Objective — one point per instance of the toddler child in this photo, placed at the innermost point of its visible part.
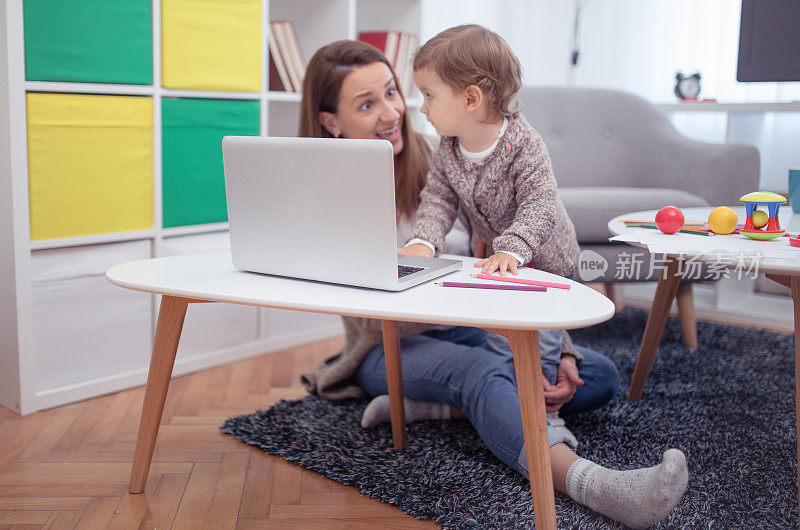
(490, 160)
(492, 164)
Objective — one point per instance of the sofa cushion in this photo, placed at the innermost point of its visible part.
(591, 208)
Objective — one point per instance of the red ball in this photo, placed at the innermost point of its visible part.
(669, 219)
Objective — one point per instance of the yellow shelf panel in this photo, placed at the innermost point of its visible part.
(90, 164)
(211, 45)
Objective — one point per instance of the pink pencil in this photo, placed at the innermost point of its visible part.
(491, 286)
(521, 280)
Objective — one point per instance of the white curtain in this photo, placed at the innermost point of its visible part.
(639, 45)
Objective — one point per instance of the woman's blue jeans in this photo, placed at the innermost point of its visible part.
(455, 367)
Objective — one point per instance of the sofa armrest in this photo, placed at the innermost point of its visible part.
(719, 173)
(591, 208)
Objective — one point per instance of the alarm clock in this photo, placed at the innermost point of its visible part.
(687, 86)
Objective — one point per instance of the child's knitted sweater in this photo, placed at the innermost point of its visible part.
(511, 200)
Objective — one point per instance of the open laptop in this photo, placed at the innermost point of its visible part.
(319, 209)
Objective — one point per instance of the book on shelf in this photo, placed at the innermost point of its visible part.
(399, 48)
(287, 66)
(278, 75)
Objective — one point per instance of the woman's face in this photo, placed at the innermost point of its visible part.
(369, 107)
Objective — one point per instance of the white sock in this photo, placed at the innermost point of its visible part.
(378, 411)
(637, 498)
(557, 423)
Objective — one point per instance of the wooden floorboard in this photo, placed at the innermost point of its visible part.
(69, 467)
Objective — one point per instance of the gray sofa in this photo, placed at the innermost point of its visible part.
(614, 152)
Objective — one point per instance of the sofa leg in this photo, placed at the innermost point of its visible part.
(686, 314)
(611, 294)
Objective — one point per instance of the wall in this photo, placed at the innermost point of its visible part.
(537, 30)
(639, 46)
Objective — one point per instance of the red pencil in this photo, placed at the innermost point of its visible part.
(521, 280)
(493, 286)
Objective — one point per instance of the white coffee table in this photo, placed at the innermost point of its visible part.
(516, 314)
(784, 271)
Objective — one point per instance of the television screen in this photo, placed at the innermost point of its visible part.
(769, 41)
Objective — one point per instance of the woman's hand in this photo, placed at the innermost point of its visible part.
(417, 249)
(567, 383)
(501, 260)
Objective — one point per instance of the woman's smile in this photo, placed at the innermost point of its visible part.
(391, 133)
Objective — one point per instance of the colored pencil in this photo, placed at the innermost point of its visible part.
(685, 230)
(697, 232)
(492, 286)
(521, 280)
(652, 222)
(706, 229)
(629, 222)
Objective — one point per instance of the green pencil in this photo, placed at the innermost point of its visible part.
(697, 232)
(654, 227)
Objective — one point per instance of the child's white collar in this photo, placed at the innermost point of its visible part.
(480, 156)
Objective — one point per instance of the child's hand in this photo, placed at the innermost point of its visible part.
(417, 249)
(502, 261)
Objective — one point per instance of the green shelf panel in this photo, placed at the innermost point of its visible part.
(193, 184)
(89, 41)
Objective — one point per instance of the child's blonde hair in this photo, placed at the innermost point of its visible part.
(473, 55)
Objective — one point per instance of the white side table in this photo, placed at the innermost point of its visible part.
(517, 314)
(784, 271)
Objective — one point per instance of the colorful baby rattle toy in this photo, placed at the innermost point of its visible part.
(773, 202)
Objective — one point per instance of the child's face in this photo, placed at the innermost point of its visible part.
(443, 108)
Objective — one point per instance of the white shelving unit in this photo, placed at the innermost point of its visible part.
(65, 333)
(747, 123)
(732, 108)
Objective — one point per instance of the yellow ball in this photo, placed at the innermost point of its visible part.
(722, 220)
(760, 218)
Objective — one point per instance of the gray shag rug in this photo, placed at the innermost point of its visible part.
(729, 406)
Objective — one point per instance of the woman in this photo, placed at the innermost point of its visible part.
(351, 91)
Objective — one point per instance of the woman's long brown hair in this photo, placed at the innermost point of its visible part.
(321, 90)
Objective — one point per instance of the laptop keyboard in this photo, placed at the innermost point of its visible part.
(404, 270)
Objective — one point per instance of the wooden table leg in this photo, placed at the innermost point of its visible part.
(394, 379)
(165, 346)
(686, 314)
(528, 367)
(668, 284)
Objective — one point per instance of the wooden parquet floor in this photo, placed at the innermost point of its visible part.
(69, 467)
